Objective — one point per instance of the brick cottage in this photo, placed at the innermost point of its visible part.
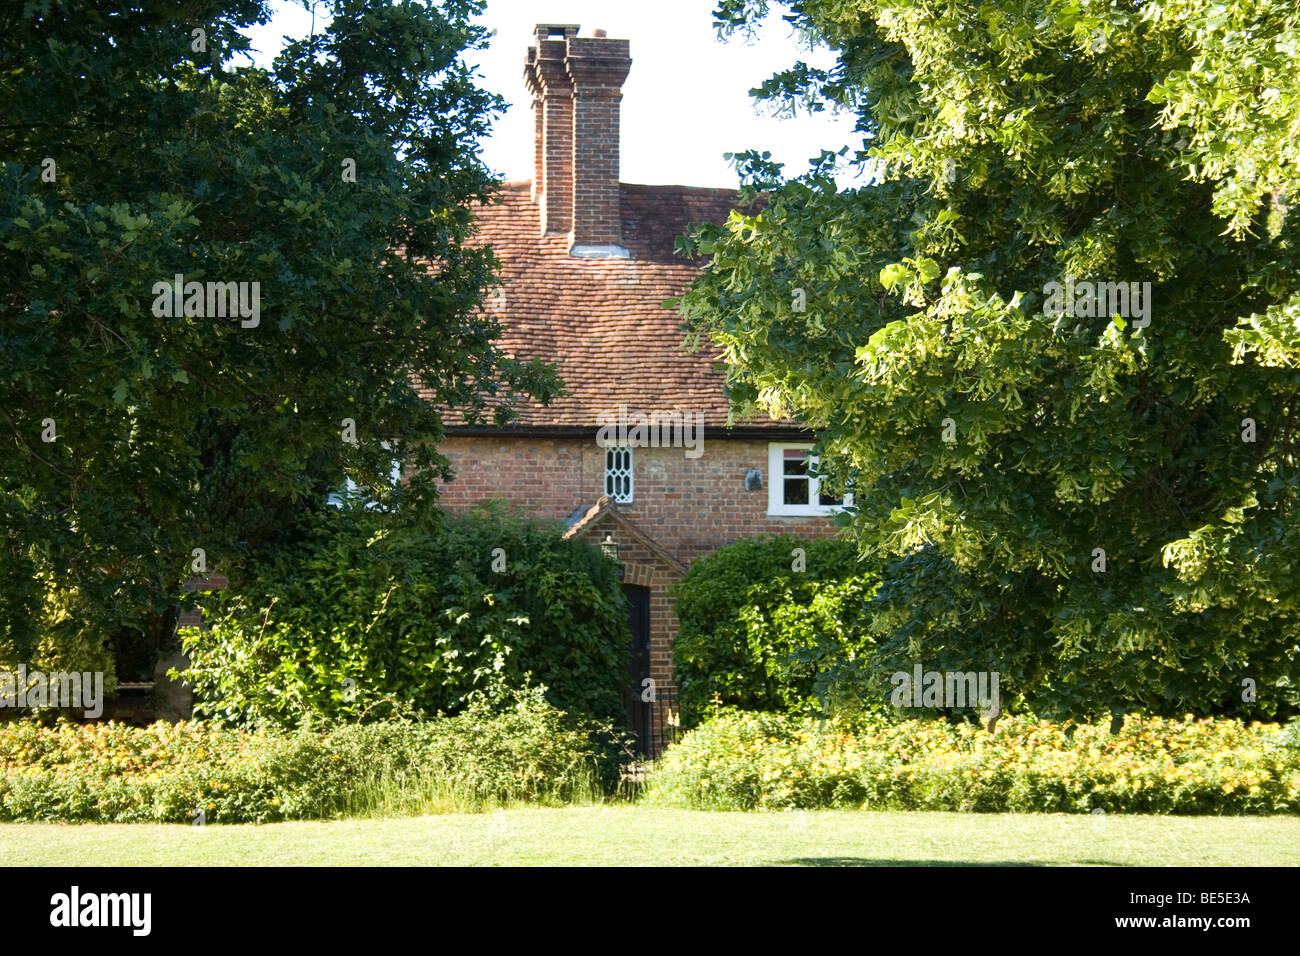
(638, 458)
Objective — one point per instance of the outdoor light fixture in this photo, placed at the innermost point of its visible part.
(609, 546)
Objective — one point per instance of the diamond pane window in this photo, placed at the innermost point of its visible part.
(618, 473)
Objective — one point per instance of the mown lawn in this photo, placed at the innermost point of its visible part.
(640, 836)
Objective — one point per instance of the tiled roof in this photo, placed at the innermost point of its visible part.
(602, 321)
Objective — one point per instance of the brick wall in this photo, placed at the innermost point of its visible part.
(687, 506)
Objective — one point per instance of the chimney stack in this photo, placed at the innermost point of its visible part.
(576, 84)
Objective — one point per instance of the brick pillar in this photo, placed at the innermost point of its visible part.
(597, 67)
(553, 127)
(539, 168)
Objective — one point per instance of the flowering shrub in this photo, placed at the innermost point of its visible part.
(741, 761)
(114, 773)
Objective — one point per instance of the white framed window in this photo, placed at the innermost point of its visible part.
(793, 487)
(618, 472)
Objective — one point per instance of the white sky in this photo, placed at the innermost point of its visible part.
(685, 102)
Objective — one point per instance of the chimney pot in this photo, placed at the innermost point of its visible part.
(556, 31)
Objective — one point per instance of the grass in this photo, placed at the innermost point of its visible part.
(629, 835)
(418, 794)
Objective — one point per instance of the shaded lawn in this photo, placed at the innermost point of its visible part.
(640, 836)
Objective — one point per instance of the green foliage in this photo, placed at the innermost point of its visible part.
(65, 642)
(184, 432)
(992, 445)
(1290, 736)
(524, 751)
(414, 616)
(759, 634)
(747, 761)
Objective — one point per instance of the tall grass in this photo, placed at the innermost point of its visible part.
(422, 792)
(521, 751)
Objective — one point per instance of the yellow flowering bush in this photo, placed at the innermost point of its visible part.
(741, 760)
(115, 773)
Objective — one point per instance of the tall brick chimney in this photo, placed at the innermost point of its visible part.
(576, 84)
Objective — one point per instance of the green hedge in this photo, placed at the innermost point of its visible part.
(526, 751)
(373, 617)
(758, 634)
(744, 761)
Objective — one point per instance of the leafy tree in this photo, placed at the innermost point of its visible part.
(337, 186)
(1099, 505)
(765, 621)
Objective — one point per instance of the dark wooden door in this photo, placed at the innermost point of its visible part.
(638, 665)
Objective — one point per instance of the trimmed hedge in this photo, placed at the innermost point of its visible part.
(164, 773)
(746, 761)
